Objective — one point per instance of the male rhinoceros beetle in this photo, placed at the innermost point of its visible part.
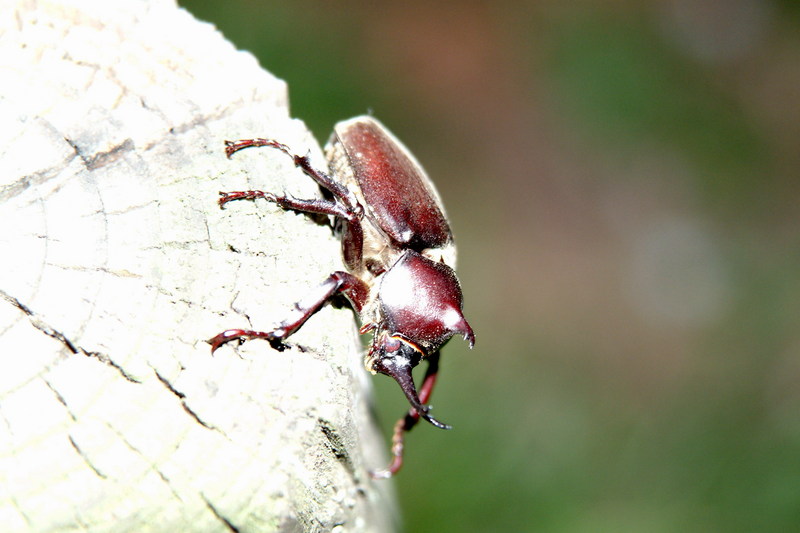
(399, 253)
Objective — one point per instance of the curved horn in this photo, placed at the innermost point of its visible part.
(398, 366)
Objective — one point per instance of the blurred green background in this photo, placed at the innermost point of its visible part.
(622, 178)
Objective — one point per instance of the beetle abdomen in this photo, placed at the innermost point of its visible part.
(394, 186)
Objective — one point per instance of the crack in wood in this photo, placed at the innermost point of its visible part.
(336, 445)
(35, 179)
(60, 399)
(145, 458)
(104, 358)
(101, 159)
(222, 518)
(182, 397)
(50, 331)
(85, 458)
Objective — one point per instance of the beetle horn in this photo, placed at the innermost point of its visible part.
(464, 329)
(398, 366)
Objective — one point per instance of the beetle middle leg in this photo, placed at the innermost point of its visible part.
(337, 283)
(407, 423)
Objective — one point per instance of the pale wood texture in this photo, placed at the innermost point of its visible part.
(116, 264)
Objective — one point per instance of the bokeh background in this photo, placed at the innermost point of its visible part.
(622, 179)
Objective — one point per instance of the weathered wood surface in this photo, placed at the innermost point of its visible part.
(116, 264)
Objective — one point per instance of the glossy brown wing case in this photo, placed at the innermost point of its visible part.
(394, 186)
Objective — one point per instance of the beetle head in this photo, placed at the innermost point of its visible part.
(396, 358)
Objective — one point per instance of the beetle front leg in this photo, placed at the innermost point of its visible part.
(353, 237)
(314, 205)
(342, 193)
(410, 420)
(337, 283)
(345, 206)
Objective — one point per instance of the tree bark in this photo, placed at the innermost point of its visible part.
(116, 263)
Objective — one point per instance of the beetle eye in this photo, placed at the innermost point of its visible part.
(392, 344)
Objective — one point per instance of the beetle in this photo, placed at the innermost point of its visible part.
(399, 253)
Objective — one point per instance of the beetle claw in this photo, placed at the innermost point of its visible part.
(433, 421)
(273, 337)
(224, 337)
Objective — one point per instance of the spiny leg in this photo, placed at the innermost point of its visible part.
(341, 192)
(345, 206)
(410, 420)
(314, 205)
(337, 283)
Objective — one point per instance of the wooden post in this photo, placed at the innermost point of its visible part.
(116, 264)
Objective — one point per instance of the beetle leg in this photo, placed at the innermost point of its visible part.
(339, 282)
(342, 193)
(346, 205)
(314, 205)
(410, 420)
